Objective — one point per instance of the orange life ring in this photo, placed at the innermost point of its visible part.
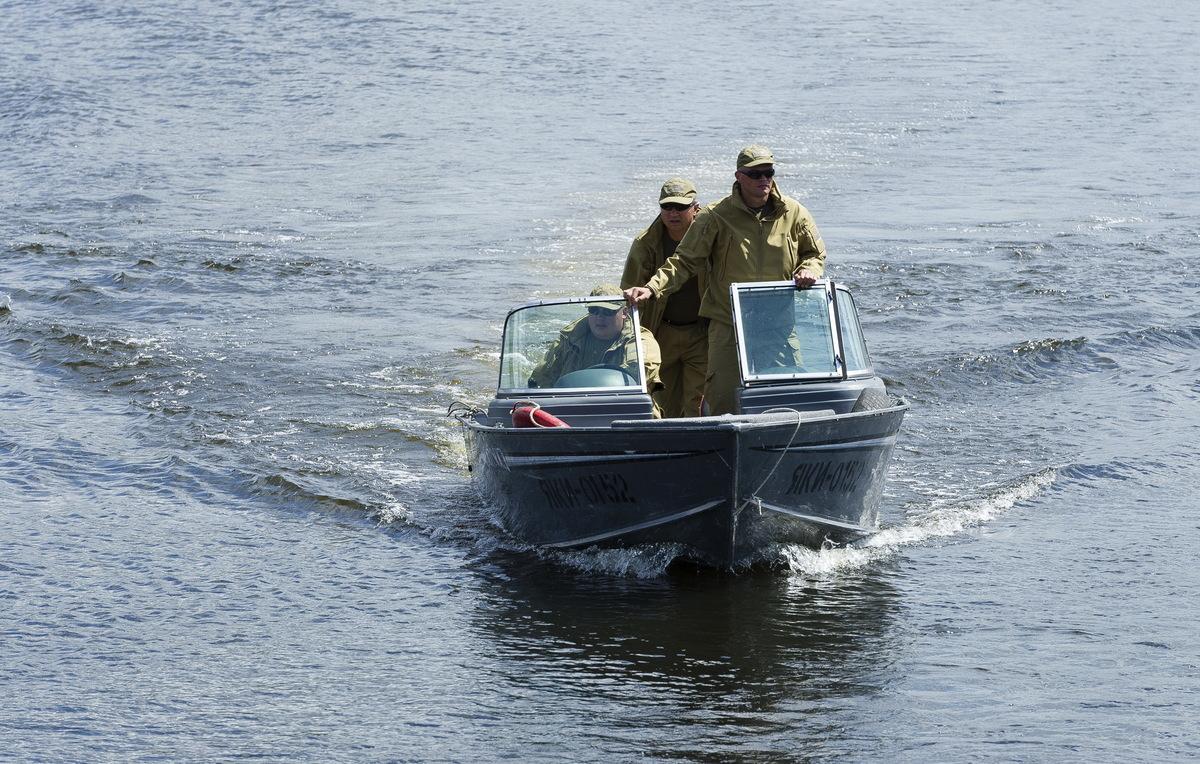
(535, 416)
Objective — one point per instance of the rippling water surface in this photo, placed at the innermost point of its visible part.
(249, 253)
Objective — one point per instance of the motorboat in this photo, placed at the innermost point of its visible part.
(802, 461)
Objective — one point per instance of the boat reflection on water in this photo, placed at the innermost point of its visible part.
(691, 653)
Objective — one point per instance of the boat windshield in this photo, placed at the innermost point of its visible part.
(580, 344)
(785, 333)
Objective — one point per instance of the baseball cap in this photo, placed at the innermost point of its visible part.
(606, 290)
(752, 156)
(677, 191)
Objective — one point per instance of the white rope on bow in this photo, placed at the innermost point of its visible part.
(754, 497)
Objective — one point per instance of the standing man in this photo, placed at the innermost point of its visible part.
(681, 331)
(754, 234)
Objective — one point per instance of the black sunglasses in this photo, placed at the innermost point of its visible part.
(675, 207)
(757, 174)
(596, 310)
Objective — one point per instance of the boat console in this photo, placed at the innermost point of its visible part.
(802, 349)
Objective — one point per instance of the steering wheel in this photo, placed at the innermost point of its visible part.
(581, 377)
(612, 366)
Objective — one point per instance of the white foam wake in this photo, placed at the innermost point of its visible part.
(944, 518)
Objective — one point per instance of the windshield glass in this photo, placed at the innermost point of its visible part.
(580, 344)
(853, 343)
(785, 333)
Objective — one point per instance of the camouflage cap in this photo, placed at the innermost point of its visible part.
(752, 156)
(677, 191)
(606, 290)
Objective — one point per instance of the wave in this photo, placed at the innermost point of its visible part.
(214, 253)
(941, 519)
(949, 518)
(1039, 360)
(644, 562)
(1025, 363)
(301, 437)
(1153, 338)
(279, 485)
(1033, 361)
(113, 361)
(1115, 470)
(132, 201)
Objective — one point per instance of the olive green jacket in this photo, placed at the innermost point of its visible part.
(566, 355)
(732, 244)
(646, 256)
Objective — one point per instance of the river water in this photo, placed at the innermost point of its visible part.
(249, 253)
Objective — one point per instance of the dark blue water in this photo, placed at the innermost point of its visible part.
(249, 253)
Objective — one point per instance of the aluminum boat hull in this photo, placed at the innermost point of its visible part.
(729, 490)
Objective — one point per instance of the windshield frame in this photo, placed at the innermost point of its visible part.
(540, 392)
(836, 326)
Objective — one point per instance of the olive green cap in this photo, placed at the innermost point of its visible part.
(606, 290)
(677, 191)
(752, 156)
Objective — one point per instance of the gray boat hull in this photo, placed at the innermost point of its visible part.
(729, 490)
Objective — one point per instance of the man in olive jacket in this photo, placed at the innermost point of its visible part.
(681, 331)
(754, 234)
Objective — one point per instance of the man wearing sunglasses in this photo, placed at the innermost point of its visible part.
(754, 234)
(603, 337)
(681, 331)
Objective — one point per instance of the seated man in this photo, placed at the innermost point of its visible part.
(603, 337)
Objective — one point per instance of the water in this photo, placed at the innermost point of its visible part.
(249, 253)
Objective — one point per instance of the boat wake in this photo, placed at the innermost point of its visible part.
(645, 561)
(952, 517)
(943, 519)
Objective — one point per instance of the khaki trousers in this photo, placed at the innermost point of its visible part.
(684, 362)
(720, 387)
(779, 349)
